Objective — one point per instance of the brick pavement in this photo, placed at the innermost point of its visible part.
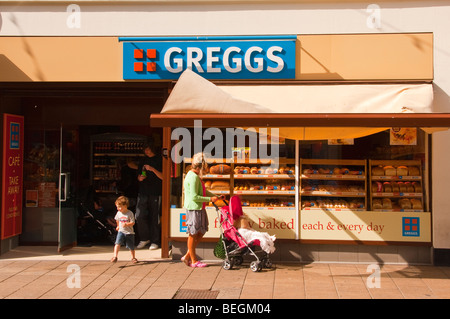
(50, 277)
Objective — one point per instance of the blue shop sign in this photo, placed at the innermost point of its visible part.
(264, 57)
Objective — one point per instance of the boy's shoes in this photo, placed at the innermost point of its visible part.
(142, 244)
(153, 246)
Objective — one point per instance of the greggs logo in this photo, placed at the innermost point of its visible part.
(228, 59)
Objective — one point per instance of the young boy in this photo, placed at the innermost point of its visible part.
(125, 221)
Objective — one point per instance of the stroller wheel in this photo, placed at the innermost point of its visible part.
(255, 266)
(227, 264)
(267, 263)
(238, 260)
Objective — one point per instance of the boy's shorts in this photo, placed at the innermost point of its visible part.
(127, 239)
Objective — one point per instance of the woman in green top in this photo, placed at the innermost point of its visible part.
(195, 198)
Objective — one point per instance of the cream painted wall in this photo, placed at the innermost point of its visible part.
(205, 18)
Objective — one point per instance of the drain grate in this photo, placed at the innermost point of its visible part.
(195, 294)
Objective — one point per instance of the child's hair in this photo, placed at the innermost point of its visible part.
(123, 201)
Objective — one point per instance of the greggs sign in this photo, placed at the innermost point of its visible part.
(264, 57)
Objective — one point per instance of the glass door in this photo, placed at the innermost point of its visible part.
(67, 227)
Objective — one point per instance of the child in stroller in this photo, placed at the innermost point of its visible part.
(239, 238)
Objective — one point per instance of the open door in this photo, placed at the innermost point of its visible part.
(67, 228)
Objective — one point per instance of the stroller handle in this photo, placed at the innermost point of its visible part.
(217, 207)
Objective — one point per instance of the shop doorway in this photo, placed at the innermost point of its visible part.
(67, 191)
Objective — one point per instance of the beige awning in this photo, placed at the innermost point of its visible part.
(193, 94)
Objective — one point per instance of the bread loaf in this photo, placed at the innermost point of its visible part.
(413, 171)
(404, 203)
(220, 185)
(387, 187)
(220, 169)
(390, 171)
(377, 171)
(395, 187)
(409, 187)
(376, 204)
(416, 203)
(387, 203)
(417, 187)
(402, 171)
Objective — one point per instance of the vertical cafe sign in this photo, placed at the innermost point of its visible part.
(12, 175)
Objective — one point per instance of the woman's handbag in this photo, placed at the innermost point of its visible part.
(219, 250)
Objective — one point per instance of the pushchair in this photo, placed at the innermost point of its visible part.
(235, 246)
(95, 228)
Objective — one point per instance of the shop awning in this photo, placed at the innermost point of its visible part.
(307, 111)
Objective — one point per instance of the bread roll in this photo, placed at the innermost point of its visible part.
(208, 184)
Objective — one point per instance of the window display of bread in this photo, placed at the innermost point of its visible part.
(333, 203)
(220, 169)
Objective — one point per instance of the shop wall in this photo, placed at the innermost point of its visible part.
(100, 24)
(319, 57)
(441, 176)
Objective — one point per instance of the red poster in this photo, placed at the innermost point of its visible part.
(12, 180)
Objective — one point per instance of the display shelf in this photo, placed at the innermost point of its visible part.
(396, 185)
(109, 153)
(333, 185)
(256, 188)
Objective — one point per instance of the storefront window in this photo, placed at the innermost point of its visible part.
(317, 183)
